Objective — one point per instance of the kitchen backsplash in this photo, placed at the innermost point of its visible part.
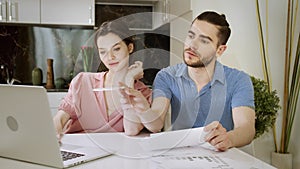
(22, 48)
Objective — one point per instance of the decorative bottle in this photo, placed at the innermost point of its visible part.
(37, 76)
(50, 75)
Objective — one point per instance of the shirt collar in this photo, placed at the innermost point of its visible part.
(182, 71)
(219, 74)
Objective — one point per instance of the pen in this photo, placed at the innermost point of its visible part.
(108, 89)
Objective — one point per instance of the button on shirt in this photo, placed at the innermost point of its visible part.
(228, 89)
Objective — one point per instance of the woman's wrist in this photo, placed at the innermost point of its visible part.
(129, 81)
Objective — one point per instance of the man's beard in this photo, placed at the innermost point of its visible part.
(200, 63)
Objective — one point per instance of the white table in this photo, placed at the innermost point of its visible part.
(130, 154)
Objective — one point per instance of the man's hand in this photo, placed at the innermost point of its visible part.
(133, 104)
(133, 99)
(217, 136)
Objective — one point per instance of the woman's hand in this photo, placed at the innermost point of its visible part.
(135, 71)
(62, 123)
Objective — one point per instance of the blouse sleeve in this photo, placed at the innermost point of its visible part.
(67, 104)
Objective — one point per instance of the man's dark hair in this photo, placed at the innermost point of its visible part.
(218, 20)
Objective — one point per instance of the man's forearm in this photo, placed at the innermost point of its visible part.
(152, 120)
(241, 136)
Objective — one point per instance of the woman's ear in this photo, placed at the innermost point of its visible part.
(130, 48)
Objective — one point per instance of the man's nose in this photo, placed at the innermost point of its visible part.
(193, 44)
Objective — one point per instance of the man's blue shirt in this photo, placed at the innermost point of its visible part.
(228, 89)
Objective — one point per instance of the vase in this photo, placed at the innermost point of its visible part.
(50, 75)
(282, 160)
(37, 76)
(60, 83)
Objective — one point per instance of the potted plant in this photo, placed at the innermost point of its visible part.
(291, 85)
(266, 106)
(87, 57)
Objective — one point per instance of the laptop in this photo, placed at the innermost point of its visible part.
(28, 133)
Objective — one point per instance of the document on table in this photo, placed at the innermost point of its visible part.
(179, 138)
(187, 149)
(189, 157)
(172, 150)
(196, 157)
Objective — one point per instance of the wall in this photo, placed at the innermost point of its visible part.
(243, 53)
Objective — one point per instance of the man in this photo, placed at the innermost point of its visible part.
(201, 91)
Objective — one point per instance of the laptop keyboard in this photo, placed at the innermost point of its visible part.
(66, 155)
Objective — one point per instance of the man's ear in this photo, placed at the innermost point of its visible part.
(221, 50)
(130, 47)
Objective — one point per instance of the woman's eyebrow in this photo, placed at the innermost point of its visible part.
(112, 45)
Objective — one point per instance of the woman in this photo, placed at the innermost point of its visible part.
(85, 110)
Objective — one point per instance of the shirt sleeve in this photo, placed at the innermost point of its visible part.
(243, 94)
(161, 85)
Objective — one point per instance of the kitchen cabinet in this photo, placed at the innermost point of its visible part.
(181, 17)
(166, 11)
(178, 8)
(20, 11)
(160, 13)
(54, 100)
(68, 12)
(140, 14)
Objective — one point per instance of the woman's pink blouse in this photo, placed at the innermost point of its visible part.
(87, 108)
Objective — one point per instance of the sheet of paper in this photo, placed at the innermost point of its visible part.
(178, 138)
(120, 144)
(196, 157)
(143, 145)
